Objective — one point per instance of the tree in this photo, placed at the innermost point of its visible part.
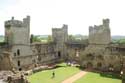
(34, 39)
(71, 37)
(49, 38)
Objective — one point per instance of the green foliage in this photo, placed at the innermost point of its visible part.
(1, 38)
(120, 41)
(49, 39)
(71, 37)
(41, 38)
(35, 38)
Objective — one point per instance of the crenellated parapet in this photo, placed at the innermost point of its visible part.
(17, 23)
(99, 28)
(15, 28)
(13, 23)
(106, 22)
(100, 34)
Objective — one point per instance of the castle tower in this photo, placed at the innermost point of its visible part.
(100, 34)
(65, 30)
(60, 36)
(17, 35)
(17, 32)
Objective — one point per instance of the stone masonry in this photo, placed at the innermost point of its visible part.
(98, 53)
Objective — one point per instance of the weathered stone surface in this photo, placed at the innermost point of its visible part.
(100, 34)
(99, 53)
(6, 61)
(24, 54)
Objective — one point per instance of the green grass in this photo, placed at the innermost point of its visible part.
(97, 78)
(61, 73)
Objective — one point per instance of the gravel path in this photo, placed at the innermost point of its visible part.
(75, 77)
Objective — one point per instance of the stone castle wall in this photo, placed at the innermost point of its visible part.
(94, 55)
(6, 61)
(23, 53)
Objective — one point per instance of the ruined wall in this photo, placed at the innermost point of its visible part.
(17, 34)
(6, 61)
(45, 53)
(100, 34)
(100, 57)
(74, 50)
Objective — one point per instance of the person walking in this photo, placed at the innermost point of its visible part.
(53, 74)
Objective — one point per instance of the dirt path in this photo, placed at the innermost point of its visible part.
(75, 77)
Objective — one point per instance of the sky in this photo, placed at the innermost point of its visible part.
(77, 14)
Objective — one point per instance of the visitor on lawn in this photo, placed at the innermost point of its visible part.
(53, 74)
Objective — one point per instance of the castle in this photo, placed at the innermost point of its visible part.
(98, 53)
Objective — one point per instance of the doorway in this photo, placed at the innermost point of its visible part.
(59, 54)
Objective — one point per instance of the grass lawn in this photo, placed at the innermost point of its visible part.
(97, 78)
(61, 73)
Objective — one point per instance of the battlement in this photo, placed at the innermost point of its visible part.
(56, 29)
(106, 21)
(60, 29)
(17, 31)
(99, 28)
(65, 26)
(13, 23)
(97, 32)
(16, 23)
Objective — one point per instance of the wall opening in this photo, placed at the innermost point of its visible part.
(77, 53)
(20, 69)
(18, 52)
(59, 54)
(111, 68)
(14, 54)
(90, 56)
(18, 63)
(99, 65)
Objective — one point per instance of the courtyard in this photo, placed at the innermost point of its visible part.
(64, 72)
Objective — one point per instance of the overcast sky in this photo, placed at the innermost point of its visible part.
(77, 14)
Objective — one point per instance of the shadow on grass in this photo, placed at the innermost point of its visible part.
(58, 66)
(81, 68)
(110, 75)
